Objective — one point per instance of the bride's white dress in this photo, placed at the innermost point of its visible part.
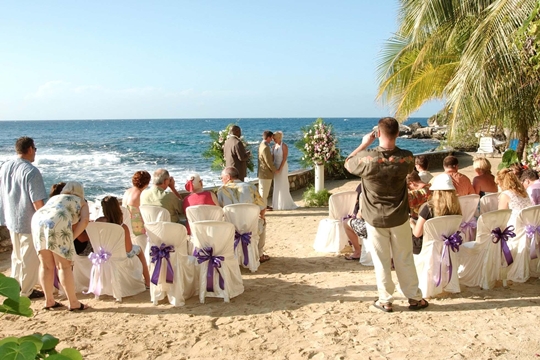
(282, 199)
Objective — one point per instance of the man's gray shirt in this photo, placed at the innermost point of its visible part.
(21, 184)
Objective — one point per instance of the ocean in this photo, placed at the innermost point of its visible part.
(104, 154)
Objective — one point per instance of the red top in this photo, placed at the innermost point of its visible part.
(202, 198)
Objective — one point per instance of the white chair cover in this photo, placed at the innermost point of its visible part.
(94, 207)
(204, 212)
(489, 202)
(153, 213)
(183, 286)
(331, 235)
(115, 274)
(365, 254)
(525, 246)
(245, 218)
(217, 237)
(469, 206)
(437, 263)
(82, 268)
(140, 240)
(477, 258)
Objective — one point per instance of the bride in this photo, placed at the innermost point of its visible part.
(282, 199)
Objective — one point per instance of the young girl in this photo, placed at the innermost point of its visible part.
(112, 213)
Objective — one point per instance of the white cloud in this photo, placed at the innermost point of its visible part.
(49, 89)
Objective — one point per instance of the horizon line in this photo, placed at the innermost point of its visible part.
(216, 118)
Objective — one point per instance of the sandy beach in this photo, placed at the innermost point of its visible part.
(300, 305)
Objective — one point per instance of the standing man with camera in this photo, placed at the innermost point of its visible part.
(385, 209)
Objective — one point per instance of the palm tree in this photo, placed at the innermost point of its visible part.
(466, 52)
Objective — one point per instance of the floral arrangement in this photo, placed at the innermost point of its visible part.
(318, 145)
(533, 157)
(215, 150)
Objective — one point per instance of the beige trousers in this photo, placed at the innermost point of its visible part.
(393, 243)
(24, 262)
(264, 189)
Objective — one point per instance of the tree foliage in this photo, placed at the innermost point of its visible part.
(467, 52)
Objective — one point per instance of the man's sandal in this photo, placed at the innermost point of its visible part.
(386, 307)
(415, 305)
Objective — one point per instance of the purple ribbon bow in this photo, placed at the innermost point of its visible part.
(158, 254)
(345, 218)
(97, 259)
(214, 263)
(100, 257)
(502, 237)
(471, 224)
(531, 231)
(245, 238)
(451, 242)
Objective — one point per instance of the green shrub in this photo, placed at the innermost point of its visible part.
(29, 347)
(316, 199)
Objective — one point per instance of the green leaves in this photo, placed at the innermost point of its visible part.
(35, 346)
(28, 347)
(14, 304)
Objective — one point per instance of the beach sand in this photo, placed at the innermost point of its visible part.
(300, 305)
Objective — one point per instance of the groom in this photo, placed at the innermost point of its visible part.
(266, 168)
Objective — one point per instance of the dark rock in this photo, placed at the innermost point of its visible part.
(415, 126)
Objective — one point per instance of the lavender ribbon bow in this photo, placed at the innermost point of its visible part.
(348, 217)
(451, 242)
(469, 227)
(101, 257)
(245, 238)
(97, 259)
(502, 236)
(214, 263)
(158, 254)
(531, 231)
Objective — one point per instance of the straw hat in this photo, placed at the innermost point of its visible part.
(442, 182)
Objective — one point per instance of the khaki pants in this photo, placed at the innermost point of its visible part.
(393, 243)
(264, 189)
(24, 262)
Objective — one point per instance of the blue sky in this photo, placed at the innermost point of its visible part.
(192, 59)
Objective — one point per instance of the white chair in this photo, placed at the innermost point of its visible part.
(480, 262)
(245, 218)
(175, 276)
(437, 263)
(331, 236)
(486, 146)
(140, 240)
(153, 213)
(82, 268)
(113, 273)
(219, 273)
(469, 206)
(489, 202)
(204, 212)
(526, 245)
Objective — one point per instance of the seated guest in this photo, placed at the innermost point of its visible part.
(461, 182)
(513, 195)
(112, 213)
(421, 164)
(157, 195)
(132, 200)
(235, 191)
(484, 182)
(418, 193)
(197, 196)
(444, 201)
(356, 228)
(530, 182)
(517, 169)
(82, 244)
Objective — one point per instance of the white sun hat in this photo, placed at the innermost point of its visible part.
(442, 182)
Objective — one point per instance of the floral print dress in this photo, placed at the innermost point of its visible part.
(51, 225)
